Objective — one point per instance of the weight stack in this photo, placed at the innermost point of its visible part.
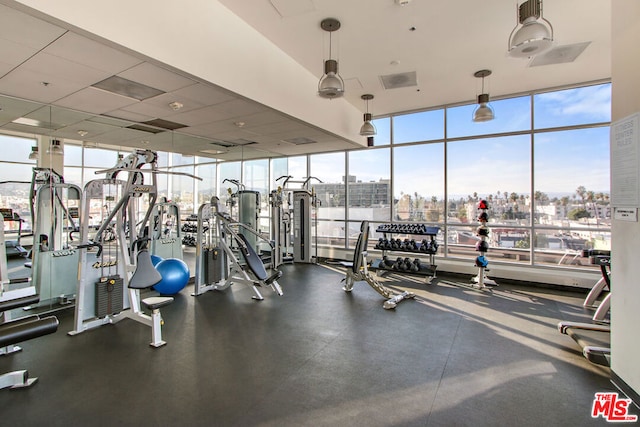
(109, 295)
(213, 265)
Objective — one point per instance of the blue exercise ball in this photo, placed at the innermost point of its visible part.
(155, 259)
(175, 276)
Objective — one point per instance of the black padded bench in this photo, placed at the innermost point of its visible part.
(20, 330)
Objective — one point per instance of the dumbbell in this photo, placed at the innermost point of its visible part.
(415, 265)
(483, 230)
(482, 246)
(386, 262)
(397, 265)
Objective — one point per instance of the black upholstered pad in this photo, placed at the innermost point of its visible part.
(20, 331)
(253, 260)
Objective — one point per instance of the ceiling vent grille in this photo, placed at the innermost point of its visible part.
(559, 55)
(394, 81)
(128, 88)
(164, 124)
(300, 141)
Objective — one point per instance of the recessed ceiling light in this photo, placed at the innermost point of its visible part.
(83, 133)
(175, 105)
(239, 124)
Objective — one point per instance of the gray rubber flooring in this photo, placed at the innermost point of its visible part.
(318, 356)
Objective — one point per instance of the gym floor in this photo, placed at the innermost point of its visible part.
(318, 356)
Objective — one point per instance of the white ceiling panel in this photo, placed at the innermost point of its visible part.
(24, 29)
(95, 101)
(61, 68)
(27, 84)
(82, 50)
(11, 108)
(14, 54)
(156, 77)
(205, 94)
(129, 116)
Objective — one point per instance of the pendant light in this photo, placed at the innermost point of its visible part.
(34, 153)
(55, 148)
(483, 113)
(535, 36)
(331, 84)
(367, 129)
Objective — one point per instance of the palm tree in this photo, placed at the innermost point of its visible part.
(582, 193)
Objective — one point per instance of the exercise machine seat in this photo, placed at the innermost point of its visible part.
(253, 260)
(146, 274)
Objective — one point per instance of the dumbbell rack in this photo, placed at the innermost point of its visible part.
(427, 247)
(189, 230)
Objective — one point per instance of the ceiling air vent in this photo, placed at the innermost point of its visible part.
(394, 81)
(559, 54)
(300, 140)
(164, 124)
(128, 88)
(144, 128)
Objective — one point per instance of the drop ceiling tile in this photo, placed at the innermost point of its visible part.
(27, 84)
(92, 130)
(82, 50)
(14, 54)
(162, 101)
(218, 112)
(95, 101)
(26, 30)
(14, 108)
(205, 94)
(130, 116)
(56, 66)
(154, 76)
(57, 117)
(120, 135)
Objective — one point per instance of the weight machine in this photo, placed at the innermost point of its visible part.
(116, 263)
(165, 230)
(217, 266)
(296, 218)
(248, 212)
(54, 255)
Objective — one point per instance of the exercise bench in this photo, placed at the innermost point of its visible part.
(19, 330)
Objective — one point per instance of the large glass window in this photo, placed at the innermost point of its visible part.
(418, 183)
(97, 157)
(73, 155)
(383, 131)
(227, 173)
(571, 199)
(547, 186)
(424, 126)
(328, 172)
(369, 185)
(182, 187)
(578, 106)
(511, 115)
(206, 187)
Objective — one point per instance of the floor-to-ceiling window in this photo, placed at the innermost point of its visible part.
(542, 165)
